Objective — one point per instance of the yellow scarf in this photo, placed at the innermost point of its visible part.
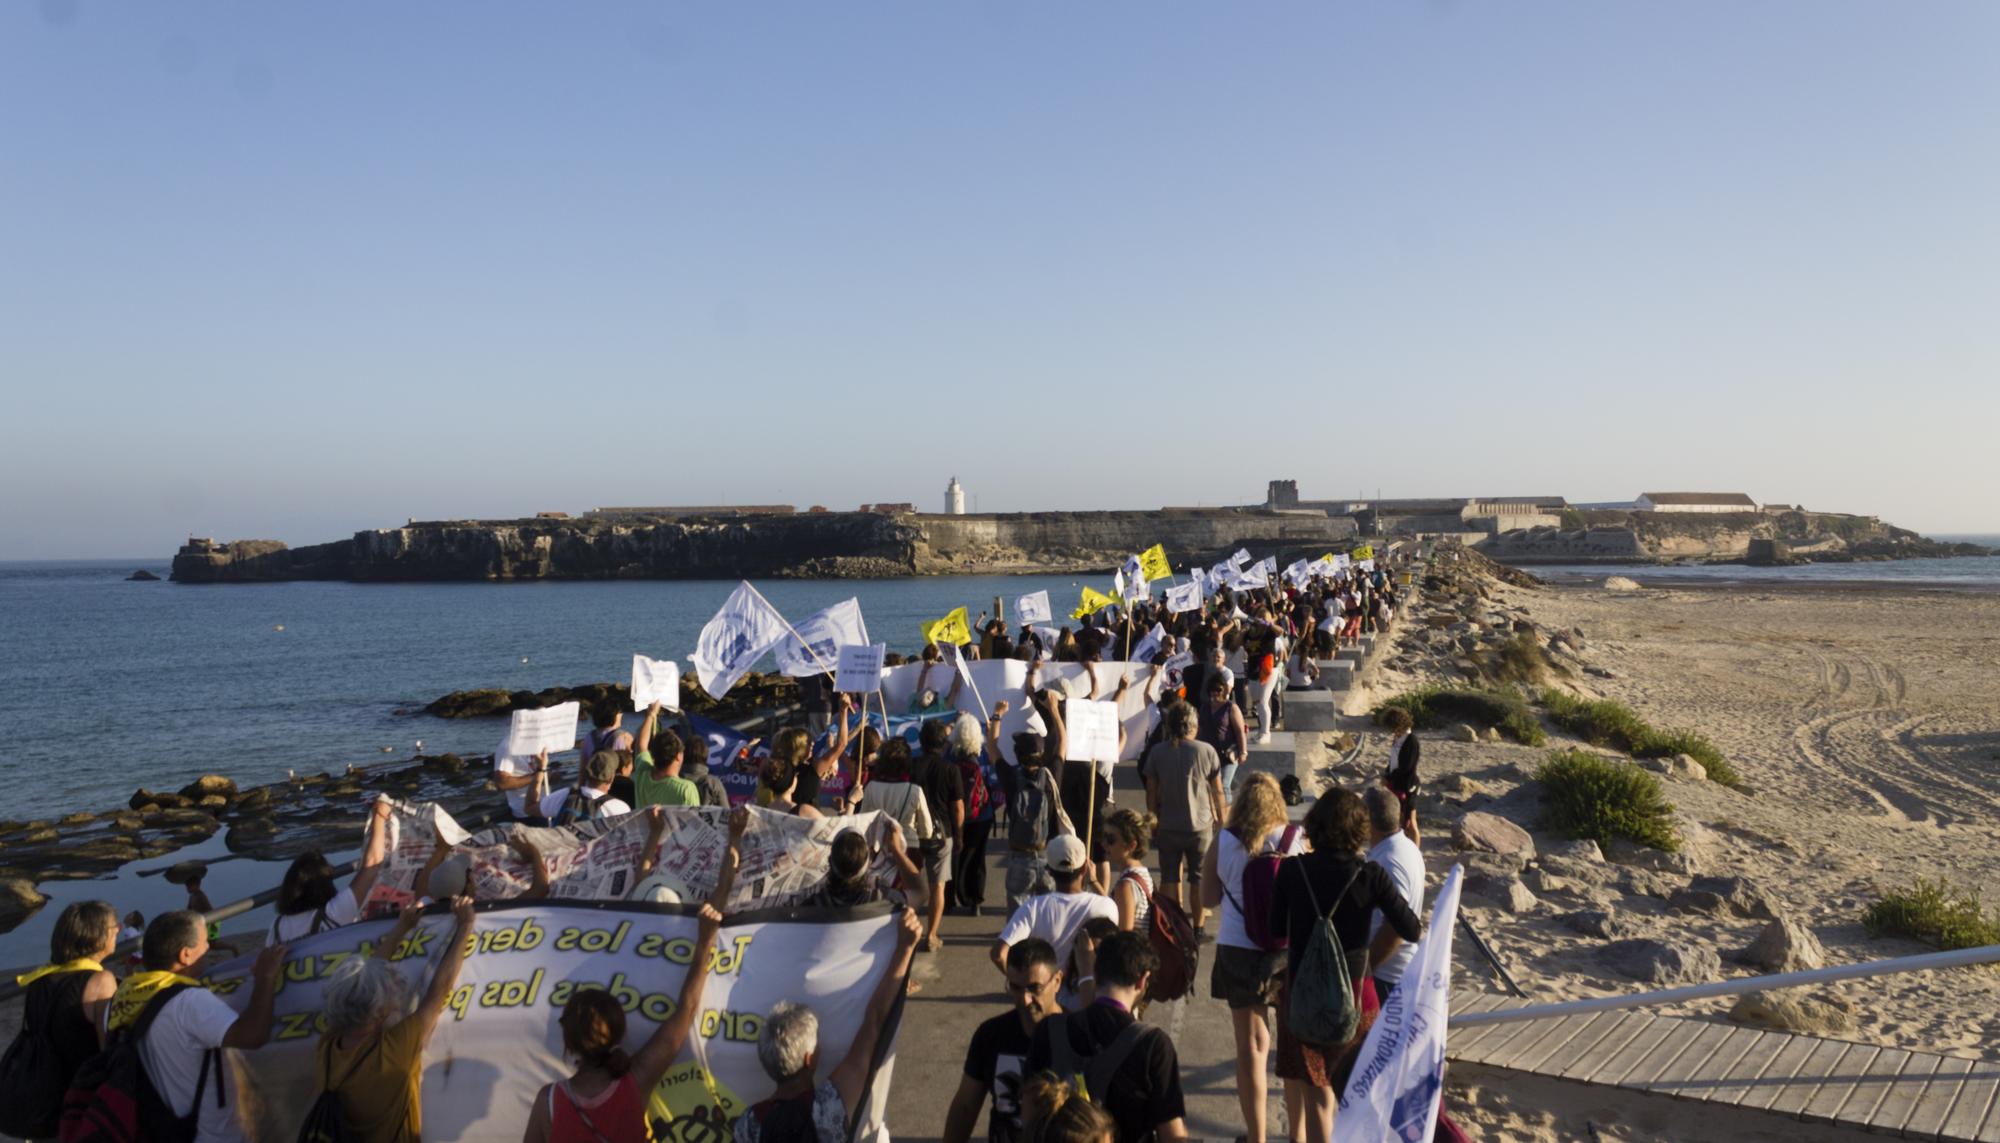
(138, 989)
(80, 964)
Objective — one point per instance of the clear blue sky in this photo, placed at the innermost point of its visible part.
(290, 270)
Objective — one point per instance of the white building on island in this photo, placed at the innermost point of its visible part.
(1695, 502)
(954, 498)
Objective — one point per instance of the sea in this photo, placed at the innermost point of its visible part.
(107, 685)
(1964, 573)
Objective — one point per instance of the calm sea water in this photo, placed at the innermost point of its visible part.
(1965, 572)
(106, 686)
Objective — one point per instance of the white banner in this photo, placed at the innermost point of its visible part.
(1186, 597)
(733, 641)
(552, 728)
(498, 1041)
(1399, 1074)
(1033, 608)
(655, 679)
(825, 632)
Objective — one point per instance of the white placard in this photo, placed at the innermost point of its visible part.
(1034, 608)
(655, 680)
(1176, 664)
(1093, 730)
(552, 728)
(860, 668)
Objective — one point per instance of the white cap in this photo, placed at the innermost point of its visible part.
(1066, 854)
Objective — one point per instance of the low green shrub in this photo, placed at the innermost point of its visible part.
(1590, 796)
(1603, 722)
(1521, 660)
(1433, 707)
(1935, 913)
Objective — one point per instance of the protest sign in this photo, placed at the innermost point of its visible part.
(1171, 669)
(655, 680)
(1366, 565)
(498, 1040)
(1186, 597)
(1093, 730)
(860, 668)
(814, 642)
(1033, 608)
(732, 642)
(1398, 1075)
(552, 728)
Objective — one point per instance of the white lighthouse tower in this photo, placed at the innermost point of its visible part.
(954, 498)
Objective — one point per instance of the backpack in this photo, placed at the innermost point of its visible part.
(325, 1122)
(1260, 878)
(113, 1100)
(1092, 1074)
(977, 796)
(1177, 945)
(1322, 1010)
(32, 1076)
(577, 808)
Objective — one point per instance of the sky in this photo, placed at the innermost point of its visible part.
(292, 270)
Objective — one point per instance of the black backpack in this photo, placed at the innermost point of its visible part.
(113, 1100)
(32, 1073)
(325, 1121)
(1092, 1074)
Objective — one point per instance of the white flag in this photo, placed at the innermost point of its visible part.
(1200, 580)
(1034, 608)
(1257, 576)
(1241, 557)
(824, 633)
(1399, 1074)
(1186, 597)
(1143, 653)
(1270, 565)
(1134, 585)
(733, 641)
(1299, 574)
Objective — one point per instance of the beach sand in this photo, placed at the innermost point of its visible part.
(1865, 726)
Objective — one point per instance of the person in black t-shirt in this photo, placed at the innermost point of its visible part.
(995, 1061)
(944, 789)
(1143, 1091)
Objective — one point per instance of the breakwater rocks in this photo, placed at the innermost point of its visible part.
(753, 694)
(818, 545)
(1666, 537)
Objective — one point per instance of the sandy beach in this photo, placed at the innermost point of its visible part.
(1862, 722)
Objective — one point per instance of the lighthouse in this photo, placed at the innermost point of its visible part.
(954, 498)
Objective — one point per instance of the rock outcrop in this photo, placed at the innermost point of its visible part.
(1614, 537)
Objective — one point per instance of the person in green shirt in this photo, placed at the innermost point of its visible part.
(656, 772)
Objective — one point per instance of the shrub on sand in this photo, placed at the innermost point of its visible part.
(1603, 722)
(1935, 913)
(1590, 796)
(1434, 707)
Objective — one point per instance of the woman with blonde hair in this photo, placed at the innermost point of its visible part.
(1054, 1111)
(1126, 834)
(1239, 872)
(791, 751)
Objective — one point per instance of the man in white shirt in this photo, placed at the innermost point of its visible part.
(593, 786)
(194, 1022)
(1057, 917)
(1403, 861)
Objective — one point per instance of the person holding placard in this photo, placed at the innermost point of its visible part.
(309, 901)
(656, 772)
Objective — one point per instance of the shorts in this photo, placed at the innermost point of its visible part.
(1246, 978)
(937, 863)
(1179, 847)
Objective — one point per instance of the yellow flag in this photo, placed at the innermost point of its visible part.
(954, 629)
(1093, 602)
(1153, 563)
(1365, 552)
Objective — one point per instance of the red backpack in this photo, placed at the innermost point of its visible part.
(1177, 945)
(1260, 881)
(977, 796)
(113, 1100)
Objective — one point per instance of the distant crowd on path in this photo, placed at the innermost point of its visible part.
(1094, 934)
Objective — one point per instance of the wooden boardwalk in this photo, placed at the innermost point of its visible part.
(1916, 1095)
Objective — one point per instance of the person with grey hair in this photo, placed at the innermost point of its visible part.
(803, 1110)
(965, 745)
(62, 1008)
(1184, 795)
(372, 1054)
(1392, 847)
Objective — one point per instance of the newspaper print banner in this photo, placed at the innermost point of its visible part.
(498, 1041)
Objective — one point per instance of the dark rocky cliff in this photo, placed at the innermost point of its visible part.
(816, 545)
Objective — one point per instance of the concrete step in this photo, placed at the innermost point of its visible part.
(1278, 757)
(1311, 710)
(1336, 674)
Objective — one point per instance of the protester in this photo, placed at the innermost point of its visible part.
(1333, 879)
(308, 900)
(606, 734)
(1184, 795)
(1056, 917)
(778, 784)
(945, 791)
(816, 700)
(589, 800)
(656, 767)
(1247, 973)
(1220, 725)
(1393, 849)
(1035, 818)
(847, 871)
(62, 1010)
(791, 748)
(1057, 1111)
(967, 750)
(1405, 753)
(184, 1026)
(1126, 833)
(694, 767)
(446, 874)
(1264, 668)
(891, 790)
(1000, 1046)
(802, 1110)
(1142, 1090)
(371, 1056)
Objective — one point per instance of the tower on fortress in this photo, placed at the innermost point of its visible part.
(954, 498)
